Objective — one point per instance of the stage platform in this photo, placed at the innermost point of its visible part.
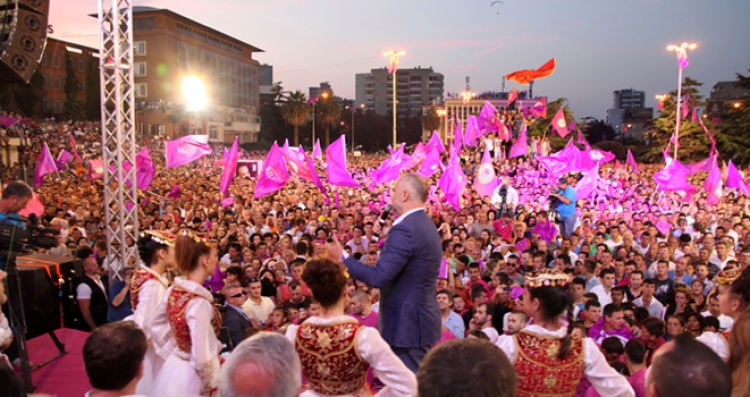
(66, 376)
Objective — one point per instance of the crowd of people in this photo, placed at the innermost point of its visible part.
(629, 292)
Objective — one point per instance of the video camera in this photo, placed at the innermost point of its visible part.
(15, 238)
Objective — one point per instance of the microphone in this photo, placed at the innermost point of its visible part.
(386, 211)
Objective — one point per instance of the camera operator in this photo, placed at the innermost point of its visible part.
(505, 198)
(566, 206)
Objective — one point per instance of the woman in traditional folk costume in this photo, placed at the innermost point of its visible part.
(549, 360)
(335, 350)
(187, 324)
(156, 250)
(734, 299)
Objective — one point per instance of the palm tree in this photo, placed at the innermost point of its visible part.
(329, 114)
(295, 111)
(431, 120)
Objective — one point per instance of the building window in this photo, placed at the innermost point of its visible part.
(139, 48)
(45, 105)
(80, 65)
(141, 90)
(56, 84)
(58, 106)
(144, 23)
(140, 69)
(45, 60)
(56, 61)
(44, 82)
(80, 86)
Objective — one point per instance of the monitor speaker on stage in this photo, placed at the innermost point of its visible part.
(23, 36)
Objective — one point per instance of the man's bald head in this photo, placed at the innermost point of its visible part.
(415, 185)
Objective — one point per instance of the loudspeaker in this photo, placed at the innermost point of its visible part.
(23, 36)
(65, 273)
(41, 300)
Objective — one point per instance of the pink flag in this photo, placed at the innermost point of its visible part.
(522, 245)
(144, 169)
(673, 177)
(74, 148)
(63, 159)
(709, 134)
(487, 118)
(485, 182)
(316, 150)
(436, 142)
(512, 96)
(713, 185)
(734, 179)
(7, 121)
(472, 133)
(336, 157)
(617, 164)
(695, 115)
(502, 130)
(520, 146)
(274, 174)
(631, 162)
(45, 166)
(226, 202)
(685, 107)
(682, 58)
(458, 136)
(540, 108)
(230, 170)
(443, 273)
(174, 193)
(588, 183)
(453, 182)
(315, 178)
(559, 124)
(295, 161)
(390, 168)
(663, 226)
(187, 149)
(431, 162)
(96, 168)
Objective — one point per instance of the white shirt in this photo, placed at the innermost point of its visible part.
(604, 378)
(603, 296)
(511, 198)
(654, 308)
(715, 342)
(491, 333)
(83, 291)
(725, 322)
(400, 218)
(259, 311)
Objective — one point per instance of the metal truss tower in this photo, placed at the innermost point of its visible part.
(118, 131)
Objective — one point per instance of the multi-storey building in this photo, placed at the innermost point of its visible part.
(415, 88)
(629, 114)
(168, 48)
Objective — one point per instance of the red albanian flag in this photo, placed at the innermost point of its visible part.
(527, 76)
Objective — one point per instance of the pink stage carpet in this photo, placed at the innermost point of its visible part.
(65, 376)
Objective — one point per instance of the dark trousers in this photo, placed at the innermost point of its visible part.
(411, 356)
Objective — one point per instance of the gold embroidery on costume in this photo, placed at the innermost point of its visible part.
(539, 370)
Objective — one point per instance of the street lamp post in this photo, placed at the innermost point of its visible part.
(354, 110)
(324, 95)
(682, 59)
(392, 67)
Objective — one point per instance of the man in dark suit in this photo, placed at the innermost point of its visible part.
(406, 273)
(234, 318)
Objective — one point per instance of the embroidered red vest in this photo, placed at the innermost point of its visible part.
(176, 305)
(330, 361)
(539, 370)
(139, 278)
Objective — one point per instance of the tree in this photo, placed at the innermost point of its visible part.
(599, 131)
(431, 120)
(177, 116)
(278, 93)
(295, 111)
(25, 95)
(73, 109)
(694, 143)
(328, 114)
(93, 107)
(542, 126)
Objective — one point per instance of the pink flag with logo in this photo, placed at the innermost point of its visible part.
(485, 182)
(63, 159)
(317, 153)
(631, 162)
(520, 146)
(436, 142)
(74, 148)
(559, 123)
(487, 118)
(390, 168)
(713, 185)
(453, 182)
(96, 168)
(274, 174)
(588, 183)
(187, 149)
(540, 108)
(230, 170)
(336, 157)
(458, 136)
(45, 166)
(295, 161)
(663, 226)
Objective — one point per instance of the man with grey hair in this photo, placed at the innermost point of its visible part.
(264, 365)
(505, 197)
(409, 317)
